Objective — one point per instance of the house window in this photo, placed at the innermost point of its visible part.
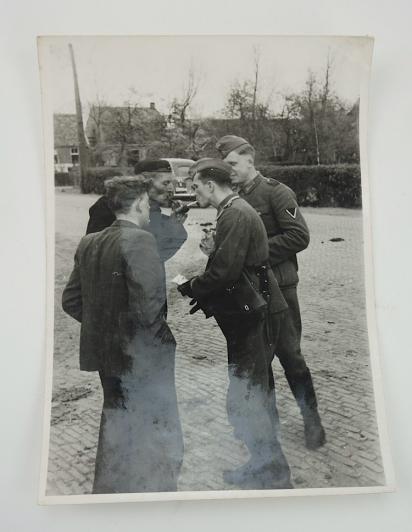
(74, 152)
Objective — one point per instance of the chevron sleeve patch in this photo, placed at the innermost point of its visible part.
(292, 212)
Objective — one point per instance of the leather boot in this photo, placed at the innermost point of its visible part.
(315, 435)
(304, 393)
(263, 476)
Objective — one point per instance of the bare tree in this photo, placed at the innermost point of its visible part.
(326, 83)
(180, 106)
(96, 113)
(317, 124)
(126, 127)
(256, 63)
(244, 102)
(311, 107)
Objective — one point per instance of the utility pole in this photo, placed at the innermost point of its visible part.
(83, 150)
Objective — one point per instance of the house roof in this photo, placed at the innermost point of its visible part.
(106, 115)
(65, 130)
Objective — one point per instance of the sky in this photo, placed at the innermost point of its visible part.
(144, 69)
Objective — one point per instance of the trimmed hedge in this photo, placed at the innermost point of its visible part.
(320, 186)
(96, 176)
(63, 179)
(316, 186)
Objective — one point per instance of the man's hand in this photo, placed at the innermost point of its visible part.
(186, 289)
(207, 243)
(194, 306)
(179, 212)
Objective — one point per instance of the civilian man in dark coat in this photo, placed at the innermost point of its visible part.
(241, 249)
(288, 234)
(117, 292)
(168, 231)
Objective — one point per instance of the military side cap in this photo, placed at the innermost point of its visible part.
(149, 165)
(213, 164)
(229, 143)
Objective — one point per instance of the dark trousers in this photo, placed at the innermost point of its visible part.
(113, 402)
(113, 396)
(140, 446)
(287, 349)
(249, 405)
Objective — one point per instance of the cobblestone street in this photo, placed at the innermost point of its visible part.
(334, 344)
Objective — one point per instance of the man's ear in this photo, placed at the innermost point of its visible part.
(137, 203)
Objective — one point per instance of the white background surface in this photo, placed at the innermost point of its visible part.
(23, 250)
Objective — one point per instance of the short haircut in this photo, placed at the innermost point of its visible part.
(218, 176)
(246, 149)
(122, 191)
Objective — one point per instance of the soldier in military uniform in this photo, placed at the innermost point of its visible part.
(288, 234)
(241, 249)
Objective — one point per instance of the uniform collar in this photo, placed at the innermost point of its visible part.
(252, 185)
(225, 203)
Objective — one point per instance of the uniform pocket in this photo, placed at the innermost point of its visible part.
(286, 274)
(266, 215)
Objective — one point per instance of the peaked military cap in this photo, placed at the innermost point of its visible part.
(213, 164)
(152, 165)
(229, 143)
(194, 168)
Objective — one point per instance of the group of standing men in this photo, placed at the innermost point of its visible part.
(117, 291)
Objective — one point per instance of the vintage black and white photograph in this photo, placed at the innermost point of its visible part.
(211, 328)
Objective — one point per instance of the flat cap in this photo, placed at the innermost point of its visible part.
(229, 143)
(152, 165)
(212, 164)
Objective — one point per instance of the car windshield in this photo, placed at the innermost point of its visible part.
(182, 171)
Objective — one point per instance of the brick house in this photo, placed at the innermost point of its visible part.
(66, 142)
(120, 136)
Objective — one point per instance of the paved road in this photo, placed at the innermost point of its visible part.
(334, 343)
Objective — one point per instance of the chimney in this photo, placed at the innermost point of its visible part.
(152, 105)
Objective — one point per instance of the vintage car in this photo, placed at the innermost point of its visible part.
(180, 170)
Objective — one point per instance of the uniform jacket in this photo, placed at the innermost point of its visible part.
(285, 226)
(116, 290)
(170, 234)
(241, 244)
